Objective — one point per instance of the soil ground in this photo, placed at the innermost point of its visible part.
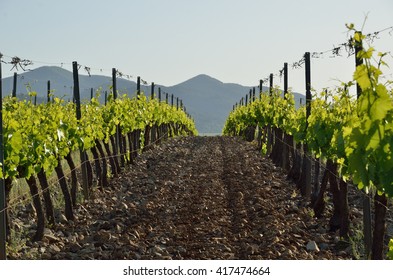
(194, 198)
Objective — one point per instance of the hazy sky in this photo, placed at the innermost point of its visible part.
(170, 41)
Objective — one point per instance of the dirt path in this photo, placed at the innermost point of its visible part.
(194, 198)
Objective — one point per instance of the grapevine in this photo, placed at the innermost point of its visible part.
(353, 135)
(37, 137)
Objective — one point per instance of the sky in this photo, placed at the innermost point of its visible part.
(170, 41)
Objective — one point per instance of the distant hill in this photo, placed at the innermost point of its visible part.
(62, 83)
(207, 99)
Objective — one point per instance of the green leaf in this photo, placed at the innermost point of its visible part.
(361, 76)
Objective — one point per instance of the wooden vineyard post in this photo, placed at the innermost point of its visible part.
(172, 99)
(152, 91)
(307, 162)
(114, 84)
(78, 116)
(358, 62)
(285, 145)
(269, 128)
(14, 85)
(48, 92)
(153, 131)
(270, 84)
(367, 231)
(117, 147)
(260, 128)
(260, 88)
(91, 93)
(138, 86)
(159, 128)
(3, 233)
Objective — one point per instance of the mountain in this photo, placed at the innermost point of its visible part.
(207, 99)
(61, 81)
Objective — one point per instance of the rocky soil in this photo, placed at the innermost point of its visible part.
(195, 198)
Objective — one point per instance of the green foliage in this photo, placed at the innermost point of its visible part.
(355, 134)
(267, 110)
(368, 134)
(37, 137)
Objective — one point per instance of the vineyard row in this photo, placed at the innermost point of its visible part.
(37, 138)
(354, 136)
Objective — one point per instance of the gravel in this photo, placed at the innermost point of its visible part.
(194, 198)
